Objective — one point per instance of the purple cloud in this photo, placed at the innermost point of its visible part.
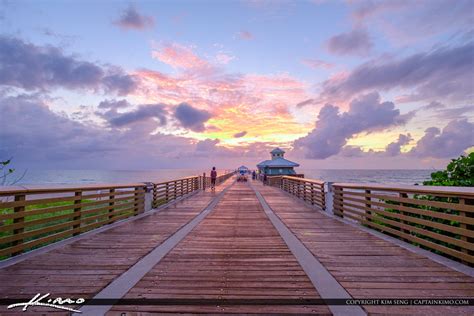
(132, 20)
(144, 112)
(333, 129)
(393, 149)
(114, 104)
(452, 141)
(240, 134)
(355, 42)
(305, 103)
(445, 72)
(245, 35)
(191, 118)
(30, 67)
(69, 143)
(317, 63)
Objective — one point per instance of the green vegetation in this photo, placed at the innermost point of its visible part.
(459, 172)
(52, 214)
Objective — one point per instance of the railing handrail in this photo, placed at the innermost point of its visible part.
(39, 189)
(175, 180)
(443, 190)
(303, 180)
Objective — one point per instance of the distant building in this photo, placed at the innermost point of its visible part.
(278, 165)
(243, 169)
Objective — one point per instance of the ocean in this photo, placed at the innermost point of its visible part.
(58, 177)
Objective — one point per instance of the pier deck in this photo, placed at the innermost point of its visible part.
(245, 241)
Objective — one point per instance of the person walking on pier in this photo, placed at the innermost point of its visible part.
(213, 178)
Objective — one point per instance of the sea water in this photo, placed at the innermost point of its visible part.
(58, 177)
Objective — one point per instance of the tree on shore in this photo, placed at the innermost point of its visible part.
(459, 172)
(6, 171)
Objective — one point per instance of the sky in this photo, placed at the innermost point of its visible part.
(338, 84)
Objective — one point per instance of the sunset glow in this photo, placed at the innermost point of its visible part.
(329, 81)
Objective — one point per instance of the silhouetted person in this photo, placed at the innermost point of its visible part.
(254, 175)
(264, 179)
(213, 178)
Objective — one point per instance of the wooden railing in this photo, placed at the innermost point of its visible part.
(310, 191)
(440, 219)
(206, 181)
(165, 192)
(31, 217)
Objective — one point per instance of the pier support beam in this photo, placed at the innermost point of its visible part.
(329, 195)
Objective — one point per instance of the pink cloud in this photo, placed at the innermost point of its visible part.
(179, 56)
(317, 63)
(245, 35)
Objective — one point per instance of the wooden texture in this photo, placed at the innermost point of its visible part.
(234, 253)
(165, 192)
(31, 218)
(84, 267)
(310, 191)
(367, 266)
(425, 216)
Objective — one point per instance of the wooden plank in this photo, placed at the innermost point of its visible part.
(234, 252)
(407, 200)
(467, 192)
(89, 264)
(361, 261)
(447, 228)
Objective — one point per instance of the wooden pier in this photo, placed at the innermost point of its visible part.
(243, 248)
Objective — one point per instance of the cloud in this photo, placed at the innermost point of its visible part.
(132, 20)
(356, 42)
(454, 113)
(404, 21)
(317, 63)
(142, 113)
(181, 57)
(452, 141)
(434, 105)
(223, 58)
(366, 114)
(394, 148)
(71, 144)
(443, 73)
(305, 103)
(30, 67)
(240, 134)
(113, 104)
(245, 35)
(191, 118)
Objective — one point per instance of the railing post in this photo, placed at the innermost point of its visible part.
(368, 205)
(155, 196)
(77, 212)
(176, 188)
(148, 199)
(304, 191)
(136, 200)
(323, 197)
(19, 209)
(166, 192)
(404, 195)
(204, 181)
(111, 204)
(329, 198)
(339, 198)
(465, 226)
(312, 193)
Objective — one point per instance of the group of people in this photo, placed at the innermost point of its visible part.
(214, 177)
